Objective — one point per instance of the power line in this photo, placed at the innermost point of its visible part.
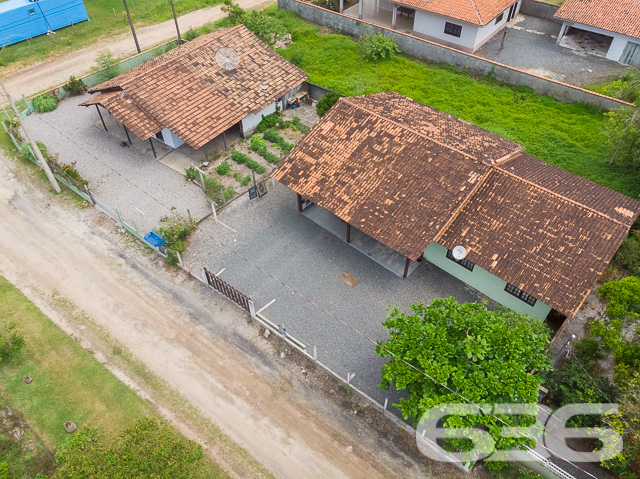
(331, 315)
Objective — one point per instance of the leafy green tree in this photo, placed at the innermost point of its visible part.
(484, 356)
(148, 449)
(378, 47)
(622, 127)
(326, 102)
(623, 298)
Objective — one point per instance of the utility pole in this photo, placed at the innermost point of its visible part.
(34, 146)
(175, 19)
(133, 32)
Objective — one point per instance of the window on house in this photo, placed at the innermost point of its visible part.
(499, 18)
(465, 263)
(453, 29)
(521, 295)
(32, 11)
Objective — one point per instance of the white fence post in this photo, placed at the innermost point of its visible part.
(204, 277)
(252, 310)
(179, 259)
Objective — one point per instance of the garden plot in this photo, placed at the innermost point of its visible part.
(229, 172)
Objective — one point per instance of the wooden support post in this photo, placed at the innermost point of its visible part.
(101, 119)
(406, 268)
(348, 232)
(152, 148)
(128, 137)
(299, 197)
(224, 140)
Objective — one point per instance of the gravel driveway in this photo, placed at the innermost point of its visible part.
(531, 46)
(125, 177)
(271, 234)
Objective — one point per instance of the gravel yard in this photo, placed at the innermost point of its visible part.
(530, 45)
(289, 248)
(127, 178)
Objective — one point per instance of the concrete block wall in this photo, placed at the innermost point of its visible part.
(421, 48)
(540, 10)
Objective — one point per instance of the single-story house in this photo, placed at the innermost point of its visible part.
(606, 28)
(428, 185)
(23, 19)
(188, 96)
(465, 25)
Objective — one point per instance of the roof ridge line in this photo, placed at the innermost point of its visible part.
(346, 99)
(457, 212)
(477, 12)
(143, 74)
(547, 190)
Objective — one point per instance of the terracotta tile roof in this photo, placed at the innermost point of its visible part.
(548, 245)
(186, 91)
(383, 163)
(619, 16)
(478, 12)
(391, 173)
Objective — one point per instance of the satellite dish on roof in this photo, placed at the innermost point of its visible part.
(228, 58)
(459, 252)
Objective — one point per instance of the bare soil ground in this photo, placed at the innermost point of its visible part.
(189, 352)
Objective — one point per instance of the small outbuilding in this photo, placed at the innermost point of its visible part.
(424, 184)
(23, 19)
(606, 28)
(199, 90)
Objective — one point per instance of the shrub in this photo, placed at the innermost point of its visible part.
(623, 298)
(75, 86)
(239, 158)
(224, 168)
(26, 153)
(272, 136)
(107, 67)
(44, 103)
(190, 35)
(174, 231)
(14, 128)
(243, 181)
(268, 121)
(71, 172)
(377, 47)
(191, 174)
(628, 255)
(333, 5)
(229, 192)
(257, 143)
(11, 342)
(297, 124)
(255, 166)
(326, 102)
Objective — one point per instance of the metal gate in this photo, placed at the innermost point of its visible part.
(229, 291)
(631, 54)
(104, 206)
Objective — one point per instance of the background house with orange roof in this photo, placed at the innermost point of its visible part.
(604, 28)
(461, 24)
(418, 183)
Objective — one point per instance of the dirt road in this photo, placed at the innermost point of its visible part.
(74, 264)
(57, 70)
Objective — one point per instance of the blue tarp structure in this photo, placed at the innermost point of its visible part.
(22, 19)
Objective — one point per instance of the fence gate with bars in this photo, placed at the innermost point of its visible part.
(229, 291)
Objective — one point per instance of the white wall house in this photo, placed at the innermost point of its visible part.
(458, 34)
(611, 29)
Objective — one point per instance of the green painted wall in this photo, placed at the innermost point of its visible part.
(483, 281)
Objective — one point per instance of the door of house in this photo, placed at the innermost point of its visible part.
(631, 54)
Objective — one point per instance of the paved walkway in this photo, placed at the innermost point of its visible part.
(531, 46)
(126, 177)
(289, 248)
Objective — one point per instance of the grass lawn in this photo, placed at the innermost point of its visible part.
(102, 24)
(68, 385)
(567, 135)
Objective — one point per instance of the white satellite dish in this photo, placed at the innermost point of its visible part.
(459, 252)
(227, 58)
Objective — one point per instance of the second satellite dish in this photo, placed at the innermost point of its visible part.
(459, 252)
(227, 58)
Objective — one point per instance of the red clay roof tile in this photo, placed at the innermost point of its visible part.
(619, 16)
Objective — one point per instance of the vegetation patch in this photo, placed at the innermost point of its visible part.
(44, 103)
(243, 159)
(174, 230)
